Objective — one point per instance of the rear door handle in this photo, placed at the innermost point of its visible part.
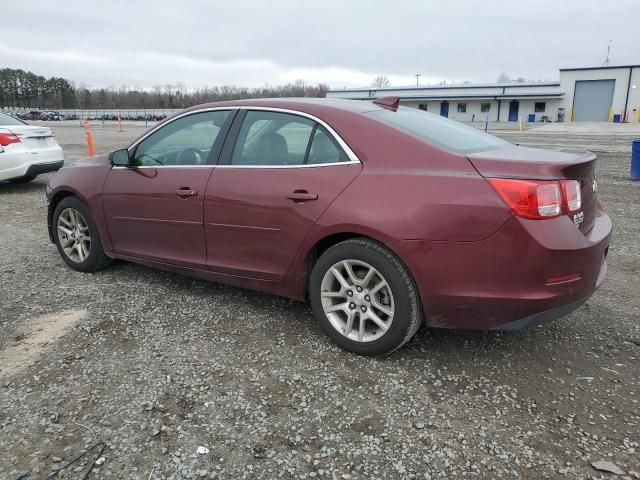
(185, 192)
(300, 196)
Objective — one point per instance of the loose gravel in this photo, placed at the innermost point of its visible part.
(157, 365)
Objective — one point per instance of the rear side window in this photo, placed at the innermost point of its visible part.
(272, 138)
(324, 149)
(9, 120)
(438, 131)
(269, 138)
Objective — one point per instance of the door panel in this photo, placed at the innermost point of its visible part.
(150, 216)
(444, 109)
(154, 208)
(253, 228)
(514, 107)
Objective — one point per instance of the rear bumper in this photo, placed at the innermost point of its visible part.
(502, 282)
(17, 165)
(542, 317)
(41, 168)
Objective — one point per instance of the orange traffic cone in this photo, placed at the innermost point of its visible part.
(89, 138)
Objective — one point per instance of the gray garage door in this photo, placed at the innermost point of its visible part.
(592, 100)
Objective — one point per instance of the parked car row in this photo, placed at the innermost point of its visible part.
(130, 117)
(42, 115)
(58, 116)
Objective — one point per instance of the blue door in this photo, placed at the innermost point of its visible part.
(514, 106)
(444, 109)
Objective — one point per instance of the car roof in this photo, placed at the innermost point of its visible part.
(304, 104)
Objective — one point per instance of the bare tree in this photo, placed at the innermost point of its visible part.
(381, 81)
(504, 78)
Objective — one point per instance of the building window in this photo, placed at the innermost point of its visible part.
(423, 106)
(462, 108)
(485, 107)
(539, 107)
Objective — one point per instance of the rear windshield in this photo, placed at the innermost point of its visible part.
(438, 131)
(9, 120)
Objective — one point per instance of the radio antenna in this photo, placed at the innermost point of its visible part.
(606, 60)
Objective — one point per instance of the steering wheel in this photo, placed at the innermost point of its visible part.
(143, 155)
(198, 157)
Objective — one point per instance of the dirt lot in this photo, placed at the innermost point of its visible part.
(156, 365)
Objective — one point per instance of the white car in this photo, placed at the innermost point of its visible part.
(26, 151)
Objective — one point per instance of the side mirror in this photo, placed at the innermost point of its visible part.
(120, 158)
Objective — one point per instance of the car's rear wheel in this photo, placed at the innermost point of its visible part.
(25, 179)
(364, 298)
(76, 236)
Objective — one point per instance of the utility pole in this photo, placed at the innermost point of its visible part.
(417, 75)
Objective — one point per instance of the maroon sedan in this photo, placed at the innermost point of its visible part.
(383, 216)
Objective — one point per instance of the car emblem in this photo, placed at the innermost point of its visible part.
(594, 186)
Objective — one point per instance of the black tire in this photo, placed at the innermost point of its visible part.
(25, 179)
(96, 260)
(407, 316)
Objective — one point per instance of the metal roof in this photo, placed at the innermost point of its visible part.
(598, 68)
(498, 96)
(450, 87)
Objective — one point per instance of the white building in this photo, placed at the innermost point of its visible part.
(581, 94)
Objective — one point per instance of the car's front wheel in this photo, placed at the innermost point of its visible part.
(76, 236)
(364, 298)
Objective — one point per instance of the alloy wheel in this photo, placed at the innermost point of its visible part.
(74, 235)
(357, 300)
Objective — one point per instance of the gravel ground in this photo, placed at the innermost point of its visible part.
(156, 365)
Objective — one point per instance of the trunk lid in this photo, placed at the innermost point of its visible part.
(33, 137)
(537, 164)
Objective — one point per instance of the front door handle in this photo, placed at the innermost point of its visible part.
(185, 192)
(300, 196)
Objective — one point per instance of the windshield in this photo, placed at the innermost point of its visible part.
(438, 131)
(9, 120)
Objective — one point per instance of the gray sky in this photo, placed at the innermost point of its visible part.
(341, 43)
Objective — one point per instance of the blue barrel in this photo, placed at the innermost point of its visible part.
(635, 160)
(616, 118)
(532, 117)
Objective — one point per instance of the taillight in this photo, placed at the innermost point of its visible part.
(539, 199)
(7, 137)
(530, 198)
(572, 196)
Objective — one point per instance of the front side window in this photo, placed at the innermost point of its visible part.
(485, 107)
(462, 108)
(540, 107)
(438, 131)
(185, 141)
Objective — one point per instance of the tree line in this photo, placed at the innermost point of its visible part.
(23, 89)
(20, 89)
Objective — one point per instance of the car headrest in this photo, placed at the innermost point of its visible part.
(273, 148)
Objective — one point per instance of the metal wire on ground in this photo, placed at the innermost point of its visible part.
(53, 475)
